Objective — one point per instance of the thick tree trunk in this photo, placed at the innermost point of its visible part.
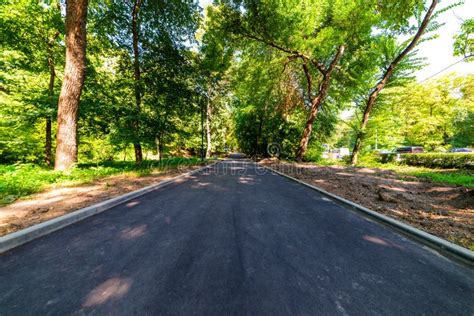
(138, 153)
(74, 75)
(386, 77)
(137, 75)
(316, 101)
(208, 129)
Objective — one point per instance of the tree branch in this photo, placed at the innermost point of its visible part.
(388, 73)
(309, 80)
(336, 58)
(273, 44)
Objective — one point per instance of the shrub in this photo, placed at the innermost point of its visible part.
(437, 160)
(388, 157)
(314, 152)
(366, 159)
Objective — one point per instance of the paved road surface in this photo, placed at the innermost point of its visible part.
(231, 241)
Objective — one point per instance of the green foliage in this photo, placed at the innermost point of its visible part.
(243, 58)
(435, 114)
(32, 47)
(271, 37)
(20, 180)
(445, 160)
(464, 41)
(169, 109)
(314, 153)
(374, 159)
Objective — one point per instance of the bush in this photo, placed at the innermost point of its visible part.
(314, 152)
(368, 159)
(436, 160)
(388, 157)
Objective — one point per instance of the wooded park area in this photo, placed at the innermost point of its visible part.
(96, 82)
(89, 81)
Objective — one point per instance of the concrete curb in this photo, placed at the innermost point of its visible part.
(23, 236)
(428, 239)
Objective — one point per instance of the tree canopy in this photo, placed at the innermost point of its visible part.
(169, 78)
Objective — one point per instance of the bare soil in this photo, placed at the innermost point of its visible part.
(58, 201)
(442, 210)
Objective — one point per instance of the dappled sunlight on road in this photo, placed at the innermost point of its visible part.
(112, 289)
(246, 180)
(132, 203)
(380, 241)
(133, 232)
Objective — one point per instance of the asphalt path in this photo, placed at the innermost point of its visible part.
(232, 240)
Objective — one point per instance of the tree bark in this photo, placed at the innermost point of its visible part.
(137, 75)
(48, 138)
(74, 75)
(316, 101)
(48, 157)
(208, 128)
(386, 77)
(48, 143)
(158, 148)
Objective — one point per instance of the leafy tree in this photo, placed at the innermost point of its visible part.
(320, 37)
(388, 72)
(34, 53)
(436, 115)
(216, 57)
(150, 37)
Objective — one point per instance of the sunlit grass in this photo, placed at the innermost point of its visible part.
(447, 176)
(444, 176)
(20, 180)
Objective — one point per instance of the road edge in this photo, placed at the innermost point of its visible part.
(31, 233)
(437, 243)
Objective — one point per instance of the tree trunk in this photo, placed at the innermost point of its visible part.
(386, 77)
(74, 75)
(47, 144)
(48, 138)
(137, 75)
(363, 126)
(138, 153)
(208, 129)
(316, 102)
(303, 146)
(158, 147)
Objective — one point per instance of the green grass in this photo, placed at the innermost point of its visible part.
(20, 180)
(446, 176)
(462, 177)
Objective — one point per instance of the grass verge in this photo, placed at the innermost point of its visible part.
(21, 180)
(444, 176)
(464, 177)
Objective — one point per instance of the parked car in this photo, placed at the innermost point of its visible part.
(409, 150)
(461, 150)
